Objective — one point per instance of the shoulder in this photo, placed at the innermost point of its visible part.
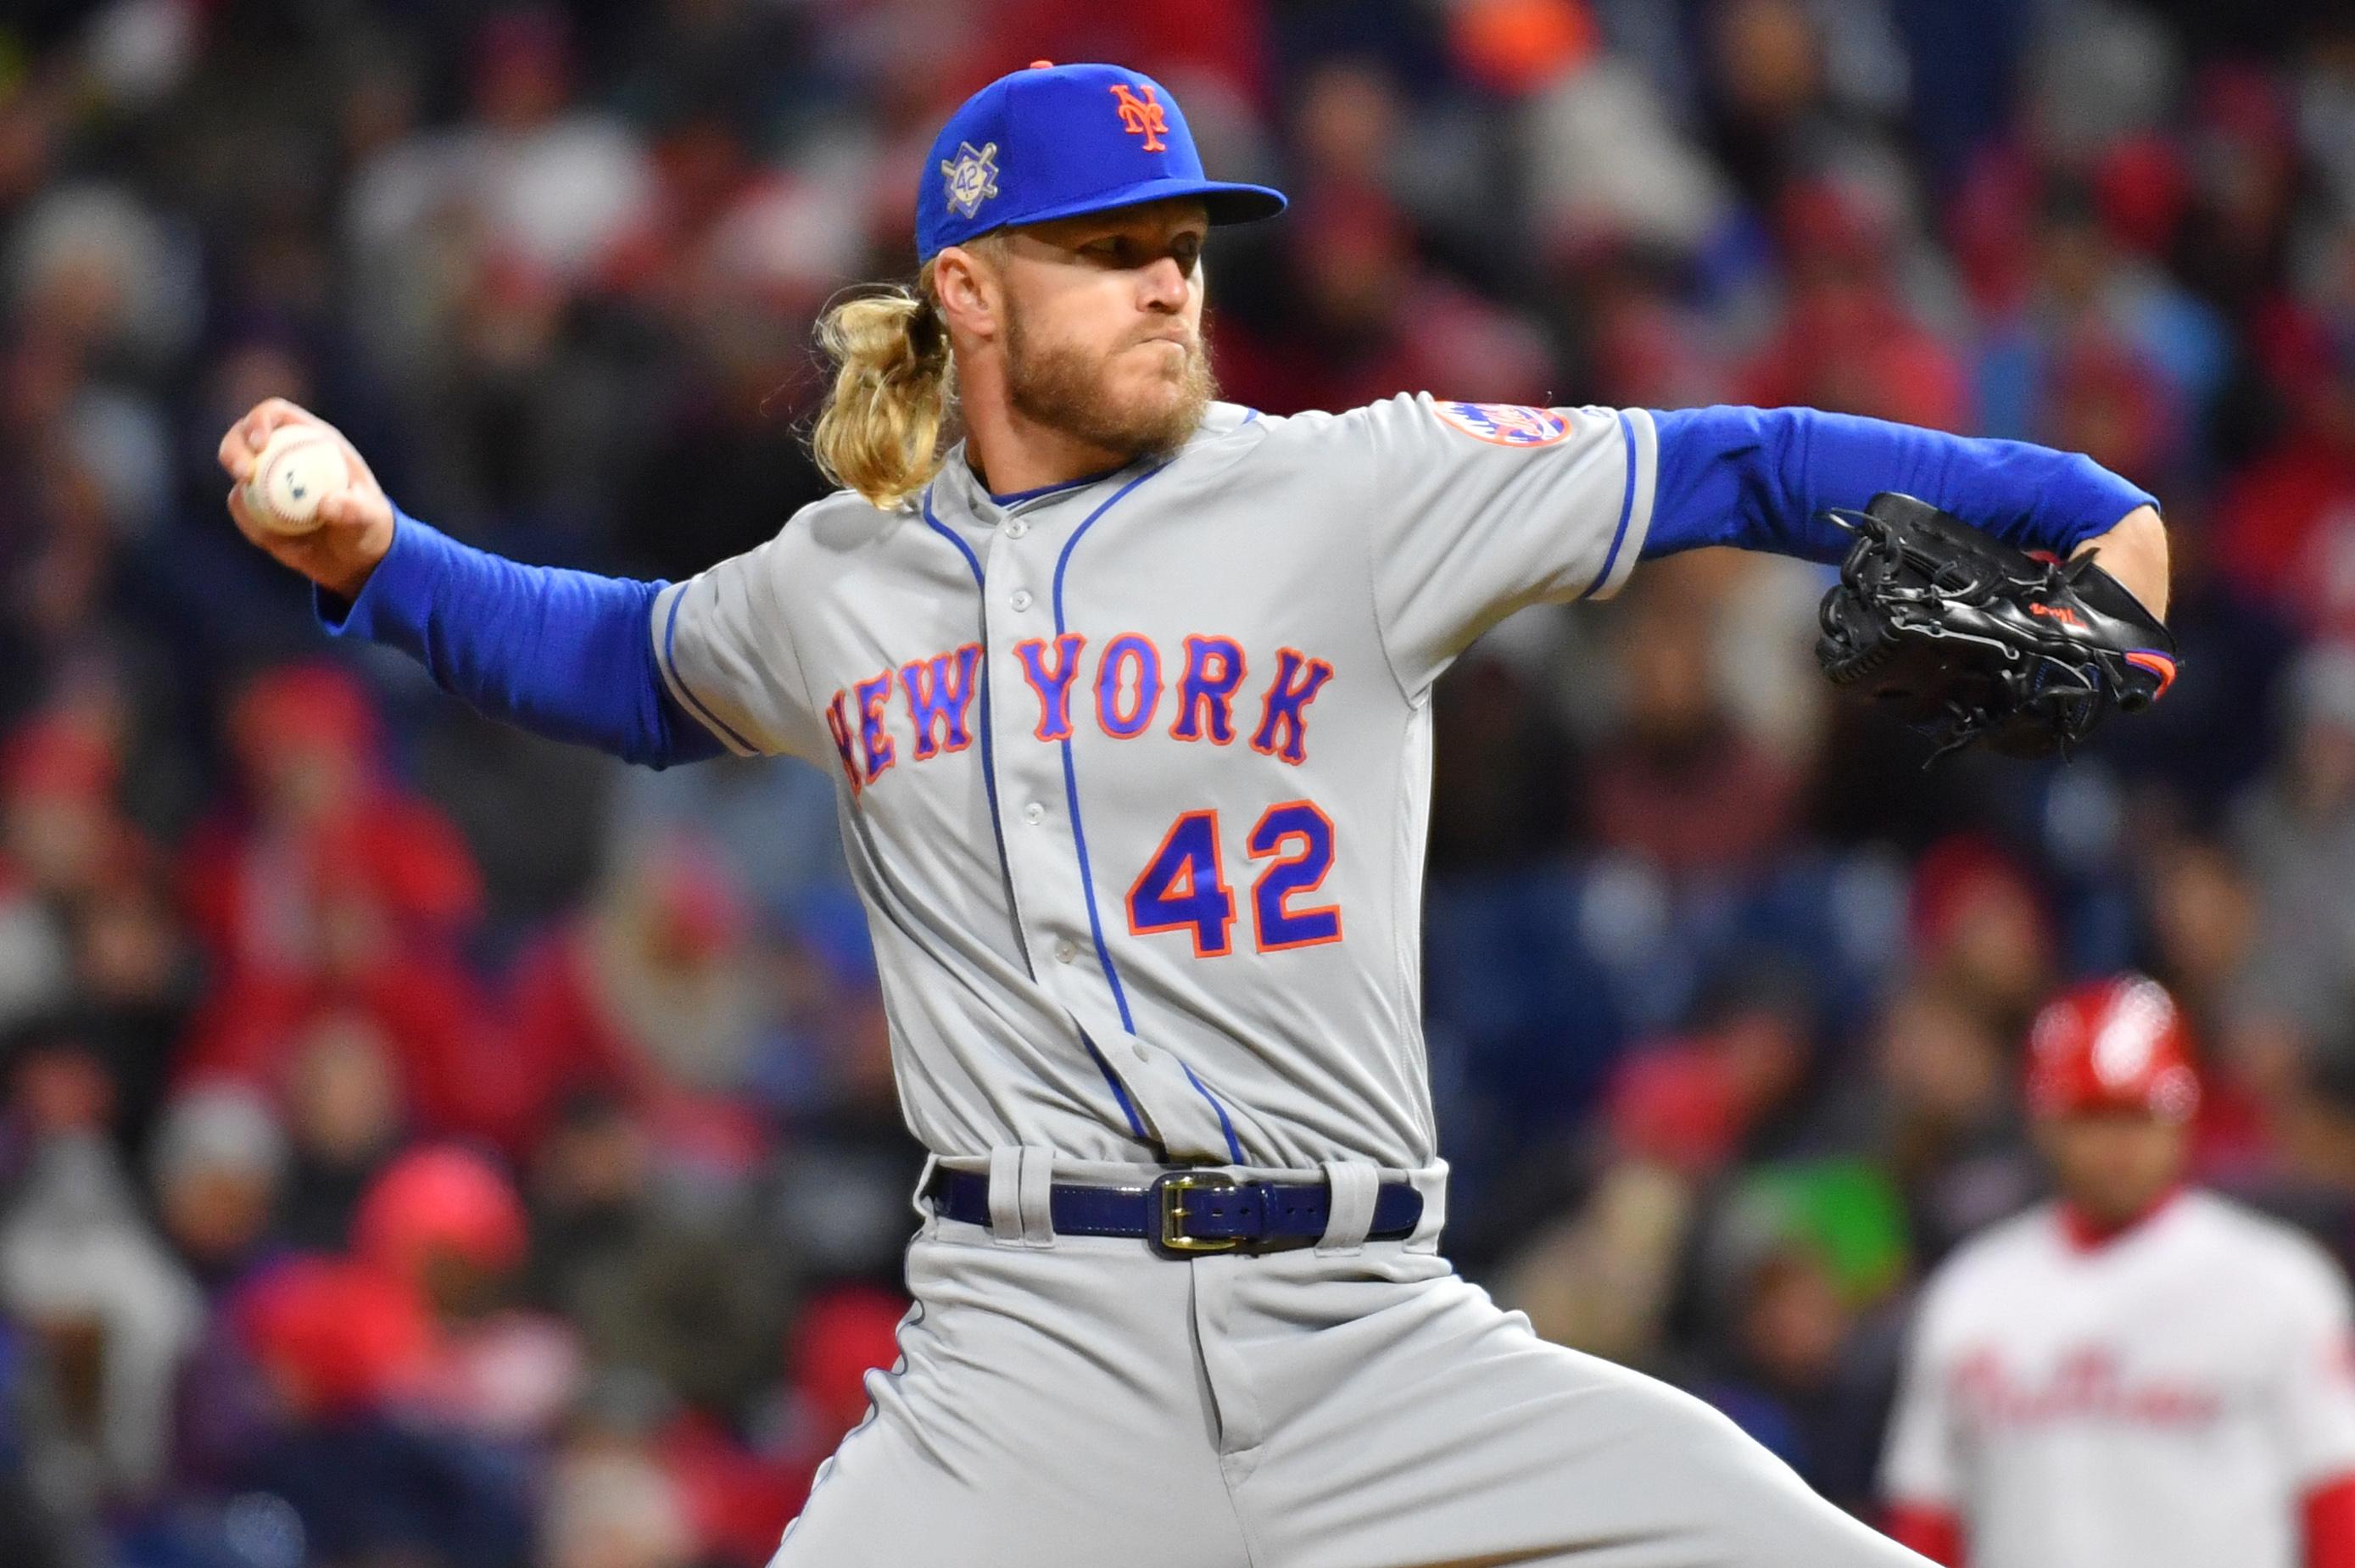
(844, 523)
(2274, 1257)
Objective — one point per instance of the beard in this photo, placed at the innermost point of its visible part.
(1066, 388)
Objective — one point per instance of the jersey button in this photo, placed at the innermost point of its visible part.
(1142, 1054)
(1017, 528)
(1021, 598)
(1065, 951)
(1034, 814)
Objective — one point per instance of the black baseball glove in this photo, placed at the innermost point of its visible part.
(1970, 638)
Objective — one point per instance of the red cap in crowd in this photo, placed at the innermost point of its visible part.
(337, 1335)
(2111, 1044)
(440, 1199)
(305, 707)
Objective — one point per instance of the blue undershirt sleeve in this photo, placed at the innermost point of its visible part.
(569, 655)
(1761, 479)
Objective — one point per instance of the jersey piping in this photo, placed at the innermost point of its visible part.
(997, 831)
(1078, 832)
(678, 683)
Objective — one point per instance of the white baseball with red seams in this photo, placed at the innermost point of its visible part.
(2163, 1398)
(299, 466)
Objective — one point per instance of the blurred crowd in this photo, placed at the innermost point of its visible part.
(424, 1145)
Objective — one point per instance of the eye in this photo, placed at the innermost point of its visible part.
(1186, 250)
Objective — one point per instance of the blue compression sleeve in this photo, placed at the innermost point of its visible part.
(1759, 478)
(569, 655)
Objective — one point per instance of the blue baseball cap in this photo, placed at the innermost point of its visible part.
(1056, 141)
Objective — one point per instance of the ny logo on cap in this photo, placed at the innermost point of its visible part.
(1143, 116)
(972, 178)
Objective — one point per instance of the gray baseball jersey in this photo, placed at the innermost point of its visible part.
(1133, 775)
(1133, 772)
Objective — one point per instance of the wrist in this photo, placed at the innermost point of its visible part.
(388, 581)
(369, 554)
(2135, 552)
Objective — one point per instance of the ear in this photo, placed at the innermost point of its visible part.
(971, 295)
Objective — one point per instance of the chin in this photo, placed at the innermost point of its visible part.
(1135, 406)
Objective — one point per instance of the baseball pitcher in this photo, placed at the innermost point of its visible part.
(1126, 692)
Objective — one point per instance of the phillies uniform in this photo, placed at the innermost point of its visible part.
(2173, 1396)
(1133, 774)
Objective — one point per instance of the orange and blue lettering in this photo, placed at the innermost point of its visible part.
(1300, 837)
(836, 721)
(940, 691)
(1184, 888)
(1052, 682)
(1283, 729)
(874, 742)
(1214, 667)
(1128, 660)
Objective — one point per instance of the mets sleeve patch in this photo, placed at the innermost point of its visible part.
(1504, 424)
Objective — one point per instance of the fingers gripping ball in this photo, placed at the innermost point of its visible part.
(1973, 639)
(301, 466)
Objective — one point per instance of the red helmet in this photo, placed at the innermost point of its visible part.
(2118, 1044)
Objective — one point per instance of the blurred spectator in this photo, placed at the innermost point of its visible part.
(1678, 784)
(1981, 933)
(609, 1507)
(446, 1225)
(1942, 1122)
(1796, 1257)
(111, 1314)
(343, 1344)
(1371, 319)
(1848, 342)
(344, 1118)
(2282, 523)
(2296, 834)
(218, 1165)
(652, 995)
(661, 1269)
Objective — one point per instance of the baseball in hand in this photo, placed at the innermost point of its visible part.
(299, 466)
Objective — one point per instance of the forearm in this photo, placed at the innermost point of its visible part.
(1761, 478)
(568, 655)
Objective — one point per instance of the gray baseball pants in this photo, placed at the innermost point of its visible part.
(1085, 1402)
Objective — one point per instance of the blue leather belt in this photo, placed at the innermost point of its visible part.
(1185, 1213)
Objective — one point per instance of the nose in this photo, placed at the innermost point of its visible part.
(1162, 285)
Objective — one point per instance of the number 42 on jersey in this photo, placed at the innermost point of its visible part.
(1184, 886)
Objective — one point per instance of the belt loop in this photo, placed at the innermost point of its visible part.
(1350, 1216)
(1006, 1197)
(1431, 1182)
(928, 1211)
(1036, 1192)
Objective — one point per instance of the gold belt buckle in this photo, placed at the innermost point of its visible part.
(1170, 1190)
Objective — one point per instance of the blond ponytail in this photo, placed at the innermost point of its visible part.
(879, 432)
